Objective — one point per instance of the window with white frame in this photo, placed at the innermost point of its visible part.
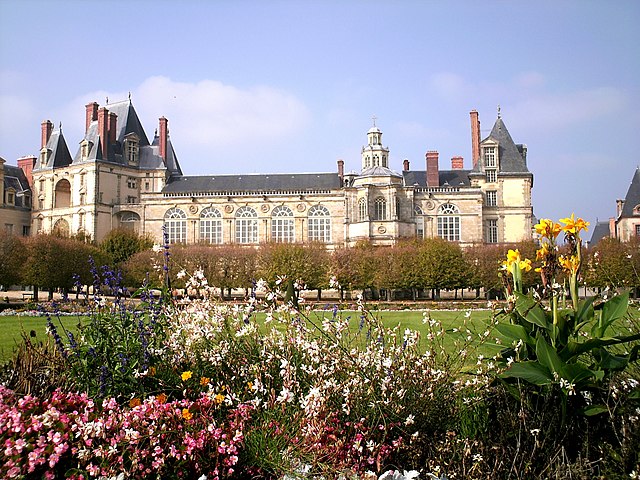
(319, 224)
(380, 209)
(419, 214)
(282, 224)
(175, 223)
(131, 150)
(492, 176)
(211, 225)
(492, 231)
(449, 222)
(490, 157)
(132, 182)
(362, 210)
(492, 198)
(246, 225)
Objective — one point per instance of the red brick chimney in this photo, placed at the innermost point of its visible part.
(163, 134)
(26, 164)
(47, 128)
(433, 174)
(405, 165)
(612, 228)
(341, 169)
(103, 131)
(475, 138)
(113, 118)
(457, 163)
(91, 115)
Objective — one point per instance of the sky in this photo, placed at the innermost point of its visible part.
(293, 86)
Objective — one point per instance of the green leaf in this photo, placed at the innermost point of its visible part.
(635, 394)
(612, 362)
(585, 311)
(515, 332)
(531, 310)
(532, 372)
(548, 357)
(574, 349)
(594, 410)
(576, 373)
(613, 309)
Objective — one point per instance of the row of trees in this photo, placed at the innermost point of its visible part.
(411, 267)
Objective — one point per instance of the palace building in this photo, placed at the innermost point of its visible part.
(118, 178)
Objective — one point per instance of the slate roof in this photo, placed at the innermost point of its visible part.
(600, 231)
(510, 155)
(15, 179)
(127, 122)
(451, 178)
(632, 199)
(253, 183)
(60, 156)
(378, 171)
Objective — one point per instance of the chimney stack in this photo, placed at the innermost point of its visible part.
(91, 114)
(164, 133)
(405, 165)
(341, 169)
(26, 164)
(612, 228)
(113, 119)
(475, 138)
(103, 131)
(433, 174)
(457, 163)
(47, 128)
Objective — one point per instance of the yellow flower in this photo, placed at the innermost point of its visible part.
(219, 398)
(513, 256)
(569, 264)
(204, 381)
(543, 251)
(573, 225)
(186, 414)
(525, 265)
(548, 228)
(186, 375)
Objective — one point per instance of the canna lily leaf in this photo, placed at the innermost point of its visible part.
(515, 332)
(585, 312)
(532, 372)
(548, 357)
(613, 309)
(577, 373)
(531, 310)
(573, 349)
(594, 410)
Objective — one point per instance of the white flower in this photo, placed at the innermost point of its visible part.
(181, 274)
(410, 420)
(535, 431)
(157, 248)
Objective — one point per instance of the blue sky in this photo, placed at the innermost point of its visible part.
(278, 86)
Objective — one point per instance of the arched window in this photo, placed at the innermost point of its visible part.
(63, 194)
(419, 214)
(246, 225)
(61, 228)
(282, 225)
(449, 222)
(380, 208)
(319, 224)
(129, 221)
(210, 225)
(175, 224)
(362, 210)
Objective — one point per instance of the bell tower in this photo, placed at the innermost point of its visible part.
(374, 154)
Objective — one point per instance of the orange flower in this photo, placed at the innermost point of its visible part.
(204, 381)
(219, 398)
(134, 402)
(573, 225)
(161, 398)
(186, 414)
(548, 228)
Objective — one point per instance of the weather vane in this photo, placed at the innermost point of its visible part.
(374, 120)
(499, 111)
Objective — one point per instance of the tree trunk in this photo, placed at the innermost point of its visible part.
(319, 294)
(35, 293)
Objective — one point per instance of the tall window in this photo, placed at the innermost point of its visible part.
(492, 231)
(319, 224)
(638, 231)
(11, 197)
(246, 225)
(175, 224)
(282, 225)
(449, 222)
(380, 208)
(129, 221)
(210, 225)
(492, 176)
(492, 198)
(362, 210)
(63, 194)
(131, 150)
(419, 214)
(490, 157)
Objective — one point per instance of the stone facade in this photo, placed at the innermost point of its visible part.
(118, 179)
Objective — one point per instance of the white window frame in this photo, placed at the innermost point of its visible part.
(492, 230)
(362, 210)
(282, 225)
(319, 224)
(246, 225)
(419, 214)
(380, 208)
(449, 222)
(492, 198)
(211, 225)
(175, 223)
(492, 176)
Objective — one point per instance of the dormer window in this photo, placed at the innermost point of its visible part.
(45, 153)
(490, 160)
(11, 197)
(85, 148)
(131, 149)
